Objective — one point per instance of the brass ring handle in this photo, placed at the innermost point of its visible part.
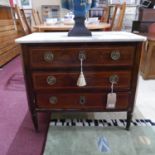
(53, 100)
(51, 80)
(113, 78)
(82, 55)
(48, 57)
(115, 55)
(82, 100)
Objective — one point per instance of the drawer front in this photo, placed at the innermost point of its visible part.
(83, 101)
(94, 80)
(69, 57)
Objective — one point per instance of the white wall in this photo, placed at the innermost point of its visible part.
(5, 2)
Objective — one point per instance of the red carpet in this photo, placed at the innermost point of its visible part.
(27, 141)
(17, 135)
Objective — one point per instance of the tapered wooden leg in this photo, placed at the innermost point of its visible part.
(129, 118)
(35, 121)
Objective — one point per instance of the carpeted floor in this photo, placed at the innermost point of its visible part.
(17, 135)
(26, 140)
(100, 141)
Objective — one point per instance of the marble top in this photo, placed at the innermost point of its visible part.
(61, 37)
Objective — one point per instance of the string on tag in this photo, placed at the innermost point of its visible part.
(112, 87)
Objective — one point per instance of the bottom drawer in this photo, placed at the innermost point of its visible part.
(85, 101)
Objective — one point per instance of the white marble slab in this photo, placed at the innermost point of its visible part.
(61, 37)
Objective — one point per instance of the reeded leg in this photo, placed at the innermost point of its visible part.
(129, 118)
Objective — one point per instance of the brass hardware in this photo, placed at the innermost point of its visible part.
(82, 100)
(48, 57)
(53, 100)
(115, 55)
(51, 80)
(82, 55)
(113, 78)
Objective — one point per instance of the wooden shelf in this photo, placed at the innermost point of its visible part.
(50, 11)
(8, 48)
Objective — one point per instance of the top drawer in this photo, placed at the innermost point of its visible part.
(69, 57)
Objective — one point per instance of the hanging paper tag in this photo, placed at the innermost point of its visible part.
(111, 100)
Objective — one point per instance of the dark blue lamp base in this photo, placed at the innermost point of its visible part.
(79, 28)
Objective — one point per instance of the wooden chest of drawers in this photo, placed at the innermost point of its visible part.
(52, 69)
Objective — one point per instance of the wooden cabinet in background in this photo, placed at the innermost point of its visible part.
(8, 48)
(147, 66)
(146, 14)
(145, 19)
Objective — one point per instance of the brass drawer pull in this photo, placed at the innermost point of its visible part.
(82, 100)
(48, 57)
(115, 55)
(53, 100)
(82, 55)
(51, 80)
(114, 79)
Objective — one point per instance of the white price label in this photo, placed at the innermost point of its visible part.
(111, 100)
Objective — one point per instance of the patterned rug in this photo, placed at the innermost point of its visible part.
(98, 134)
(103, 119)
(100, 122)
(76, 140)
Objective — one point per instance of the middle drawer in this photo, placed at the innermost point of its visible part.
(95, 80)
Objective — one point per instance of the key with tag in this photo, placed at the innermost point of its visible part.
(111, 98)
